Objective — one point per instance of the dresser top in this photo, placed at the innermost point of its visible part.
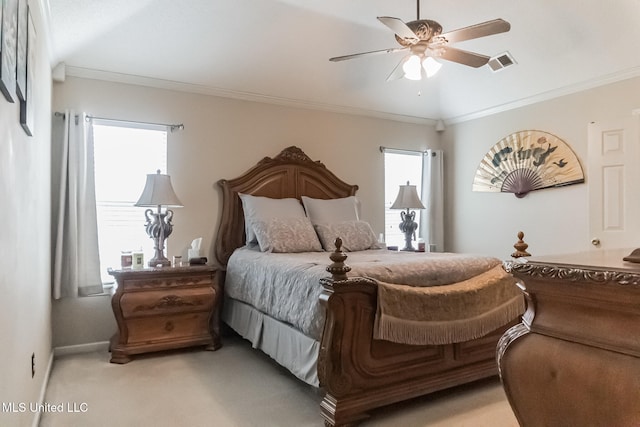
(597, 259)
(159, 271)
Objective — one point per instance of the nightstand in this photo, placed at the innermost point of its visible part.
(165, 308)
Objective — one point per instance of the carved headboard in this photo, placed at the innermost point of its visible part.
(290, 174)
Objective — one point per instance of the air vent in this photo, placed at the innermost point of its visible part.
(501, 61)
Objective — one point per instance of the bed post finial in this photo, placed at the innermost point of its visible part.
(521, 247)
(338, 268)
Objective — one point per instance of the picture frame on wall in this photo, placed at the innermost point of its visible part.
(8, 34)
(27, 105)
(21, 53)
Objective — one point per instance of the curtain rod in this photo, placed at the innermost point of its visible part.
(59, 114)
(172, 127)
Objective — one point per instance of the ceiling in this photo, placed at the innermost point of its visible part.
(278, 50)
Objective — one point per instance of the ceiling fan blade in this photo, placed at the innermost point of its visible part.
(463, 57)
(373, 52)
(400, 28)
(475, 31)
(398, 72)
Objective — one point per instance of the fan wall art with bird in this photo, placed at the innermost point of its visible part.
(525, 161)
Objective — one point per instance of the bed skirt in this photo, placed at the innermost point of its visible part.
(286, 345)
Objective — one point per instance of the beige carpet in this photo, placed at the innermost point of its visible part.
(235, 386)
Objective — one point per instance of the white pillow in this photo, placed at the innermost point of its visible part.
(355, 235)
(329, 211)
(286, 235)
(263, 208)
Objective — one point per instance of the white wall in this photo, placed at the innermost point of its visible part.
(223, 138)
(25, 301)
(554, 220)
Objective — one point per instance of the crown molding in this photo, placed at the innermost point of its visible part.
(93, 74)
(546, 96)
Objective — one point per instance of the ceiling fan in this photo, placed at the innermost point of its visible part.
(424, 39)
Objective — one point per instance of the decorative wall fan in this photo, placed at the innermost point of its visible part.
(424, 39)
(525, 161)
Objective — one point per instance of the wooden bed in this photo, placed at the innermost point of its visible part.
(356, 372)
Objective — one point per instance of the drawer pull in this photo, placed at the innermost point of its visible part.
(169, 301)
(169, 326)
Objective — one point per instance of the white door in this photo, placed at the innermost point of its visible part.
(613, 177)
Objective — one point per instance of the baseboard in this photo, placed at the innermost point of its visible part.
(43, 389)
(61, 351)
(81, 348)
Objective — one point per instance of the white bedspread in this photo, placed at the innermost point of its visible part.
(287, 286)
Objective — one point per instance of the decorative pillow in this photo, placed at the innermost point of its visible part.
(286, 235)
(330, 211)
(355, 235)
(262, 208)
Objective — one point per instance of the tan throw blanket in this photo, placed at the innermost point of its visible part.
(447, 314)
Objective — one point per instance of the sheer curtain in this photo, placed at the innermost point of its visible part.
(432, 218)
(74, 235)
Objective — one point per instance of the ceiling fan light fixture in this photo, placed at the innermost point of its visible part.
(411, 68)
(431, 66)
(424, 40)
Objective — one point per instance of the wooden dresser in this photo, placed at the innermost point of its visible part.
(165, 308)
(575, 358)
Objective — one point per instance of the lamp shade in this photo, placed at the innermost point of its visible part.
(407, 198)
(158, 191)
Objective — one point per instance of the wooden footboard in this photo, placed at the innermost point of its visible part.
(360, 373)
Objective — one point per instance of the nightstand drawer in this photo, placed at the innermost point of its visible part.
(165, 308)
(160, 302)
(142, 284)
(154, 329)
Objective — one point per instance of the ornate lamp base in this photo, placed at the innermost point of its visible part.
(159, 262)
(408, 226)
(159, 227)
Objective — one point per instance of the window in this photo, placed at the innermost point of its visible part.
(124, 153)
(399, 167)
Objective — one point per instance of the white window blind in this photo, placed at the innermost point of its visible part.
(124, 153)
(399, 167)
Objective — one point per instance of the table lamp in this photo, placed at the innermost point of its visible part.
(408, 199)
(159, 192)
